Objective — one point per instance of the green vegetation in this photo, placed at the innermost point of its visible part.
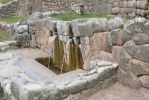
(71, 16)
(3, 36)
(4, 1)
(13, 19)
(2, 97)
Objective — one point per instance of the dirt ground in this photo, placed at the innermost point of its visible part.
(119, 92)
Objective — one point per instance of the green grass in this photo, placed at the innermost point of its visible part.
(4, 1)
(3, 36)
(12, 19)
(2, 97)
(71, 16)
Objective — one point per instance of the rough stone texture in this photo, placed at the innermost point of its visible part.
(125, 8)
(81, 28)
(119, 37)
(139, 67)
(115, 23)
(101, 41)
(116, 92)
(137, 52)
(140, 39)
(145, 81)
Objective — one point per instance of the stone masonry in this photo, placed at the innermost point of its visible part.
(123, 8)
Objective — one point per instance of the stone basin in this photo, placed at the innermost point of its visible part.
(26, 79)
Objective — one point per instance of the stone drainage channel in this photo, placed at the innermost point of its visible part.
(23, 78)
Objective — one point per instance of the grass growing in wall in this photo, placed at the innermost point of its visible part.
(71, 16)
(3, 37)
(12, 19)
(4, 1)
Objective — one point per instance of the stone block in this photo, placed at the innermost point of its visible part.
(128, 79)
(139, 68)
(140, 39)
(51, 25)
(115, 23)
(81, 28)
(115, 10)
(119, 37)
(137, 52)
(116, 52)
(144, 81)
(101, 41)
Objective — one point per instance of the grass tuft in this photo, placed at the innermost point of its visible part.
(4, 1)
(72, 16)
(12, 19)
(3, 36)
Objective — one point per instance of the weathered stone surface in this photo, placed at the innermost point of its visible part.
(137, 52)
(104, 8)
(34, 69)
(67, 28)
(135, 26)
(21, 29)
(125, 60)
(98, 63)
(81, 28)
(141, 12)
(51, 24)
(119, 37)
(139, 67)
(85, 47)
(8, 45)
(128, 79)
(59, 25)
(5, 56)
(104, 24)
(102, 55)
(115, 10)
(101, 41)
(98, 24)
(145, 81)
(35, 16)
(142, 4)
(23, 39)
(115, 23)
(116, 52)
(140, 39)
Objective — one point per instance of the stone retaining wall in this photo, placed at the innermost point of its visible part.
(125, 8)
(9, 9)
(80, 42)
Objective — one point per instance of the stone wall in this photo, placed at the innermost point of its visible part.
(124, 8)
(79, 43)
(9, 9)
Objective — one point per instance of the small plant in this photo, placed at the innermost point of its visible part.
(3, 36)
(71, 16)
(4, 1)
(13, 19)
